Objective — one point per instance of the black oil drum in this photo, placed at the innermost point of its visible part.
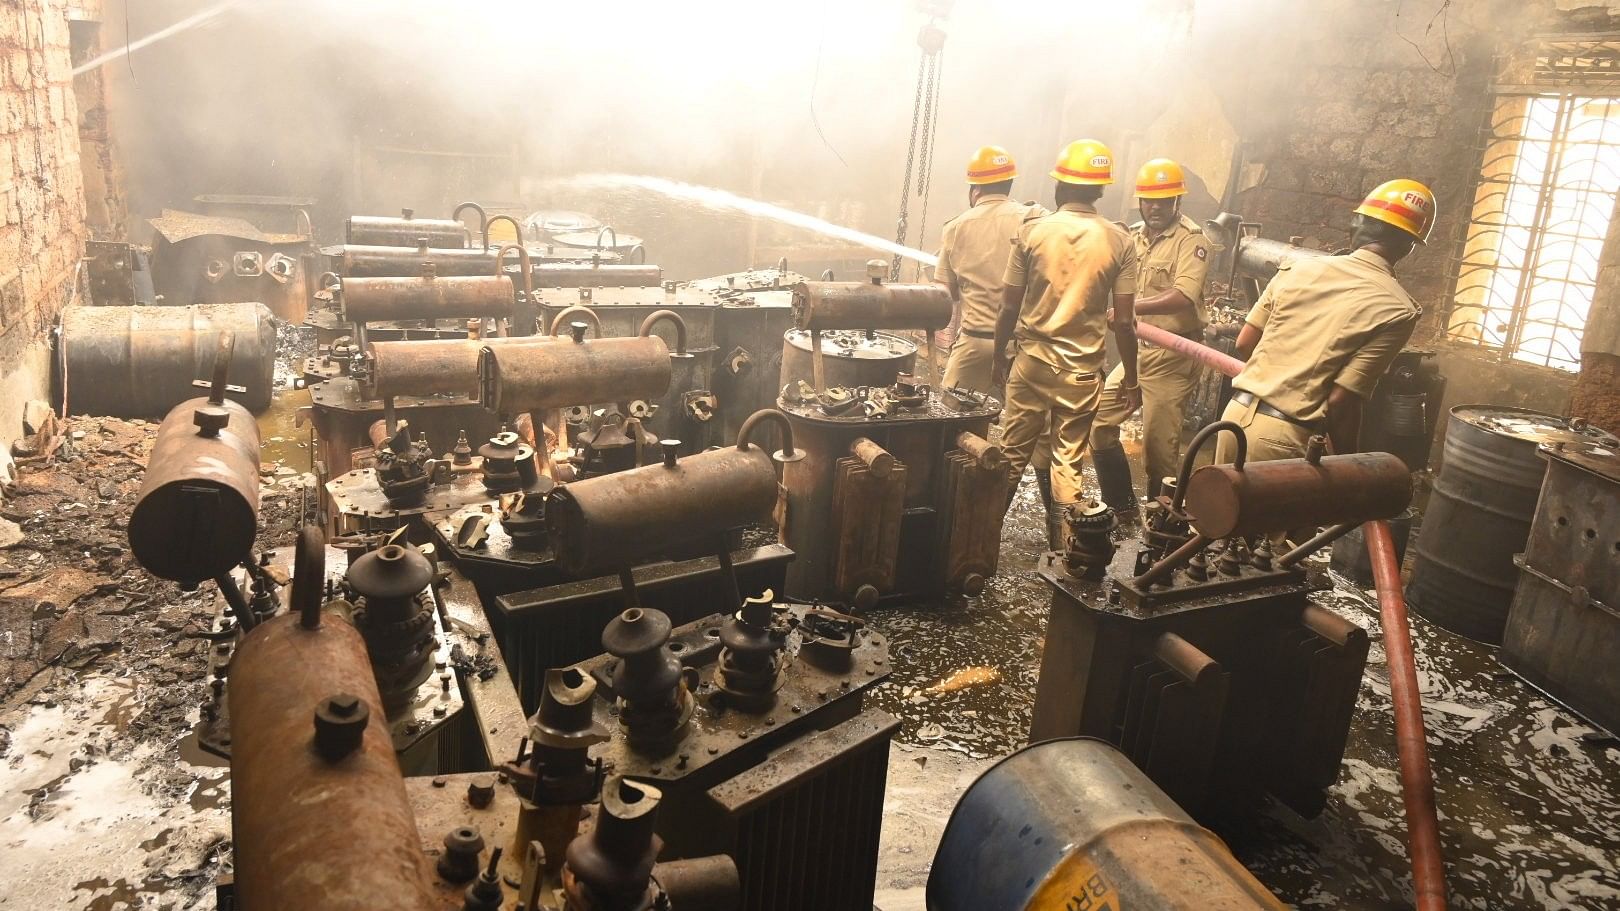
(1479, 515)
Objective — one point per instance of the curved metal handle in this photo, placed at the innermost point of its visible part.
(775, 417)
(523, 266)
(658, 316)
(483, 218)
(562, 319)
(1198, 441)
(329, 280)
(637, 251)
(517, 228)
(607, 229)
(302, 219)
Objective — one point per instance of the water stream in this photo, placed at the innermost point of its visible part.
(724, 201)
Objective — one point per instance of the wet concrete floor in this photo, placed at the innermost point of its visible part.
(1529, 795)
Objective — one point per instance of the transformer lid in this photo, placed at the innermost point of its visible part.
(1531, 426)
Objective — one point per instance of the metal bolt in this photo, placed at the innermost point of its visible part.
(481, 792)
(713, 751)
(439, 711)
(440, 781)
(682, 760)
(340, 725)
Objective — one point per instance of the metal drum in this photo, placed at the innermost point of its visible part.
(851, 357)
(131, 362)
(549, 223)
(1479, 515)
(1069, 824)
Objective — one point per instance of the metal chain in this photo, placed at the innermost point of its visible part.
(930, 130)
(911, 156)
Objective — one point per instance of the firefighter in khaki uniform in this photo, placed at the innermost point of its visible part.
(973, 252)
(1069, 271)
(1174, 258)
(1325, 330)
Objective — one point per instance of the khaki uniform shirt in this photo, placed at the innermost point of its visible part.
(1179, 259)
(1328, 320)
(1070, 264)
(973, 251)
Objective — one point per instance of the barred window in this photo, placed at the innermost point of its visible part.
(1542, 208)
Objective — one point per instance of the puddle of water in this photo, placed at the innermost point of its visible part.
(281, 441)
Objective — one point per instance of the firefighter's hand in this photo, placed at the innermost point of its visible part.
(1133, 397)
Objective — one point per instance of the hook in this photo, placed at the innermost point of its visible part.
(775, 417)
(658, 316)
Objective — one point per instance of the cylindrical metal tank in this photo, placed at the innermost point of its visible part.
(597, 275)
(605, 239)
(1266, 497)
(139, 362)
(614, 521)
(574, 373)
(427, 297)
(317, 827)
(384, 262)
(1068, 824)
(407, 231)
(1261, 257)
(850, 357)
(1479, 515)
(433, 366)
(868, 305)
(197, 513)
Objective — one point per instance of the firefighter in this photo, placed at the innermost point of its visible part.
(1326, 330)
(1072, 275)
(973, 252)
(1173, 258)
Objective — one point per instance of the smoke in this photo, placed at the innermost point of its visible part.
(371, 106)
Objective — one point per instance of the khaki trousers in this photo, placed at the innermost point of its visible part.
(971, 363)
(1044, 402)
(1269, 438)
(1167, 380)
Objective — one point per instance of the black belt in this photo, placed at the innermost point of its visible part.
(974, 333)
(1247, 398)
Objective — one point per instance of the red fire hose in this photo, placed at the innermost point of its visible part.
(1417, 782)
(1224, 363)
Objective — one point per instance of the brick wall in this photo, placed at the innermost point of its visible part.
(42, 228)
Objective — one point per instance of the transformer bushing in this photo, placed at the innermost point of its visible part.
(751, 661)
(1087, 545)
(405, 468)
(655, 702)
(611, 868)
(501, 456)
(395, 616)
(558, 776)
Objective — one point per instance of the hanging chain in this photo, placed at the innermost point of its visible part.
(911, 157)
(925, 167)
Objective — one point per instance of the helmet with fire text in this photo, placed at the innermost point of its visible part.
(1160, 178)
(1406, 204)
(991, 164)
(1086, 162)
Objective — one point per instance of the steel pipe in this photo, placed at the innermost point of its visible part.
(566, 373)
(566, 315)
(319, 814)
(783, 425)
(1276, 496)
(1218, 361)
(869, 305)
(984, 452)
(525, 268)
(429, 297)
(517, 228)
(666, 316)
(1417, 781)
(483, 217)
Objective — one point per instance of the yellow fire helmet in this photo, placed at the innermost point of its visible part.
(1406, 204)
(991, 164)
(1085, 161)
(1160, 178)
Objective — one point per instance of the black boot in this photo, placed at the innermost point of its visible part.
(1154, 488)
(1054, 516)
(1114, 479)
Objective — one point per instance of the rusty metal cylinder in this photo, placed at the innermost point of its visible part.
(1261, 257)
(382, 231)
(867, 305)
(383, 262)
(1073, 824)
(313, 833)
(568, 372)
(700, 883)
(850, 359)
(428, 297)
(197, 513)
(433, 366)
(604, 275)
(1285, 494)
(139, 362)
(614, 521)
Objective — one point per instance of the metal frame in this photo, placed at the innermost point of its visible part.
(1572, 196)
